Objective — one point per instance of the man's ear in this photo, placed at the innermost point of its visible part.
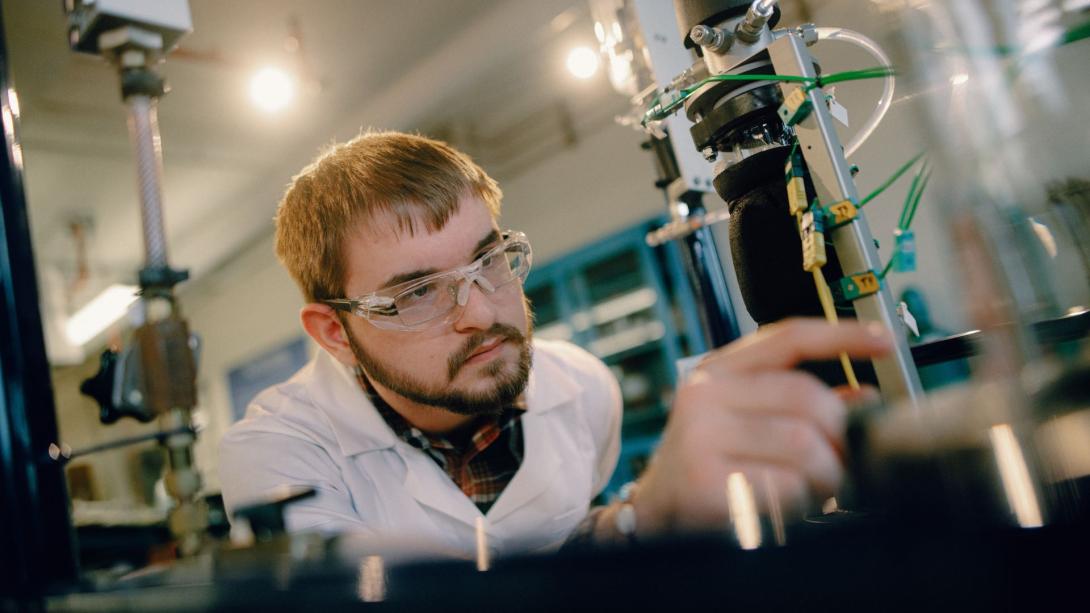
(322, 324)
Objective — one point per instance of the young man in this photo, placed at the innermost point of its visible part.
(430, 409)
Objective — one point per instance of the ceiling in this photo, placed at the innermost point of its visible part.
(485, 74)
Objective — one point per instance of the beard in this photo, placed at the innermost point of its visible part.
(508, 382)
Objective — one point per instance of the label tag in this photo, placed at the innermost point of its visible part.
(907, 319)
(904, 254)
(837, 110)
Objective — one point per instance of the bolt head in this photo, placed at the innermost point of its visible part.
(808, 33)
(133, 58)
(709, 154)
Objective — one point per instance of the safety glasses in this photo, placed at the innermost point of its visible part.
(438, 299)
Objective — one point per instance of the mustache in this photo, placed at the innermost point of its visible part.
(498, 330)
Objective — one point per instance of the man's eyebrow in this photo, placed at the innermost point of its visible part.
(487, 241)
(405, 277)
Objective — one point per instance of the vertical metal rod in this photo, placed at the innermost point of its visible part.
(854, 243)
(700, 252)
(144, 134)
(165, 351)
(709, 280)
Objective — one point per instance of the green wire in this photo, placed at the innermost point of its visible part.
(852, 75)
(913, 198)
(890, 181)
(908, 211)
(656, 112)
(653, 114)
(1076, 34)
(908, 197)
(791, 78)
(888, 266)
(916, 200)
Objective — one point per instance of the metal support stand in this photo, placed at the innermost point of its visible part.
(163, 343)
(853, 242)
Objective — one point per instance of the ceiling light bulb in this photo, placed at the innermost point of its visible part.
(582, 62)
(271, 89)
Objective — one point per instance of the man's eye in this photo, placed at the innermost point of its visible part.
(486, 261)
(421, 291)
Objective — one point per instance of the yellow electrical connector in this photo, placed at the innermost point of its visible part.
(842, 212)
(811, 230)
(796, 107)
(796, 194)
(796, 183)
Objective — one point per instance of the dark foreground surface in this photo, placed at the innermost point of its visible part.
(855, 565)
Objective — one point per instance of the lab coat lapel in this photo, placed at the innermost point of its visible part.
(540, 466)
(540, 463)
(431, 487)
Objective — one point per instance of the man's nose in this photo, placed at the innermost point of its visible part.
(479, 311)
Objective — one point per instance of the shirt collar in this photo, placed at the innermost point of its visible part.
(358, 426)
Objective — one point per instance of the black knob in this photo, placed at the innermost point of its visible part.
(127, 402)
(100, 387)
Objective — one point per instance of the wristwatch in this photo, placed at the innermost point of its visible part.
(624, 520)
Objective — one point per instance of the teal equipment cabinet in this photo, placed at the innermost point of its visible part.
(630, 305)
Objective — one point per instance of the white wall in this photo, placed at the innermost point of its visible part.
(603, 184)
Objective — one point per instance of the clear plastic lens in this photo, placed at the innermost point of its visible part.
(422, 303)
(438, 297)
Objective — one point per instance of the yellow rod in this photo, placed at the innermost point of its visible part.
(827, 305)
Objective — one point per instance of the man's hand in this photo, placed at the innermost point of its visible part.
(744, 410)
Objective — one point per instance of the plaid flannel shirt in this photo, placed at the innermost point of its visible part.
(483, 465)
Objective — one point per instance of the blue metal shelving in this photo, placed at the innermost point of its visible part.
(631, 305)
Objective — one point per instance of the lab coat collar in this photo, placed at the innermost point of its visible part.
(356, 424)
(359, 428)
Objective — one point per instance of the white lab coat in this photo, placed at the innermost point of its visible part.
(319, 429)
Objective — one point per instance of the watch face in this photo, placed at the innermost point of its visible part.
(626, 520)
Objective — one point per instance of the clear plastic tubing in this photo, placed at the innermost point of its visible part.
(857, 39)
